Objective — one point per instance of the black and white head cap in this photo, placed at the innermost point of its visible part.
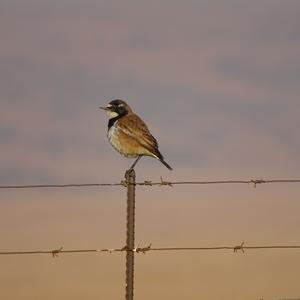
(117, 108)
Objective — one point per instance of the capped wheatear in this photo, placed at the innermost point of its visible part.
(128, 133)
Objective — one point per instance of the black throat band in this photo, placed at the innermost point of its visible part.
(112, 121)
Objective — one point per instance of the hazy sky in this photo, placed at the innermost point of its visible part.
(218, 84)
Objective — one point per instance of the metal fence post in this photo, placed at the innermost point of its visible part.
(130, 180)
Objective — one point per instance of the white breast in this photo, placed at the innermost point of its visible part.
(112, 135)
(112, 132)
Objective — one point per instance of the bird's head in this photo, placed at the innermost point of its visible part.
(116, 108)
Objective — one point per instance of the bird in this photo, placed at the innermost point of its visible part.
(129, 134)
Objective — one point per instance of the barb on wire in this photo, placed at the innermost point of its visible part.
(257, 181)
(56, 251)
(151, 183)
(124, 183)
(148, 182)
(143, 250)
(239, 247)
(162, 182)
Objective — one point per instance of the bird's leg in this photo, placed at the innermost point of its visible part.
(135, 162)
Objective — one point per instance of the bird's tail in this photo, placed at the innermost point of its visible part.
(159, 156)
(163, 162)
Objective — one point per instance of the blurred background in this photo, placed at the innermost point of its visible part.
(217, 82)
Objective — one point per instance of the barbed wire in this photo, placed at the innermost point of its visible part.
(241, 247)
(55, 252)
(162, 182)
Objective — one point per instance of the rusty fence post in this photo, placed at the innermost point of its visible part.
(130, 180)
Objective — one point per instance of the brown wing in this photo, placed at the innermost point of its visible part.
(134, 127)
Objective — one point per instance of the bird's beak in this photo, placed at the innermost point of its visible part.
(104, 107)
